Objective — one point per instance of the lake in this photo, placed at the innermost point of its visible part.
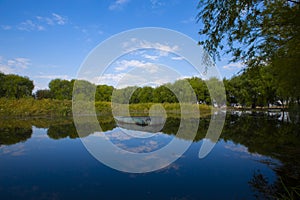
(256, 156)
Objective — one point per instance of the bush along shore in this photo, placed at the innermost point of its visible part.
(30, 107)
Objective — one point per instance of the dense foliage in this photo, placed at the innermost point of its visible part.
(255, 87)
(14, 86)
(259, 33)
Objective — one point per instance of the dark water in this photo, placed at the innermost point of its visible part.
(256, 156)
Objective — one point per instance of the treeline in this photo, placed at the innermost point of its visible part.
(180, 90)
(260, 86)
(254, 87)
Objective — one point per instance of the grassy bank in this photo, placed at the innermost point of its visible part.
(29, 107)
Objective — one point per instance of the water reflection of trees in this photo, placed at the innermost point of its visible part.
(13, 131)
(58, 131)
(267, 134)
(272, 136)
(13, 135)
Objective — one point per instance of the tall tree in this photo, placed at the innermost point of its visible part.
(256, 32)
(14, 86)
(61, 89)
(103, 93)
(163, 94)
(200, 89)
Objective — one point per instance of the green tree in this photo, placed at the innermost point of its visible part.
(2, 79)
(14, 86)
(123, 95)
(163, 94)
(184, 91)
(258, 33)
(217, 92)
(252, 29)
(83, 90)
(268, 81)
(61, 89)
(43, 94)
(230, 92)
(146, 95)
(142, 95)
(200, 89)
(103, 93)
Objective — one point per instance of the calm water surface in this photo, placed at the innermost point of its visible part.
(45, 159)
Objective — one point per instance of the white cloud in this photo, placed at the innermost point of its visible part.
(29, 25)
(118, 4)
(66, 77)
(142, 77)
(108, 79)
(13, 65)
(150, 57)
(163, 49)
(59, 19)
(233, 66)
(40, 23)
(137, 77)
(156, 3)
(54, 19)
(177, 58)
(6, 69)
(19, 62)
(159, 46)
(125, 64)
(46, 20)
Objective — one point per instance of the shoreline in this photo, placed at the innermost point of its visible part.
(52, 108)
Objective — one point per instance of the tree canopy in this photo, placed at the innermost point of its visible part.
(251, 29)
(257, 33)
(14, 86)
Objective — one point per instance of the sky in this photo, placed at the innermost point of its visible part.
(44, 40)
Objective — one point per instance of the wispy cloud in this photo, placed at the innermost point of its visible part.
(150, 57)
(19, 62)
(177, 58)
(233, 66)
(18, 150)
(108, 79)
(38, 23)
(125, 64)
(59, 19)
(66, 77)
(156, 3)
(54, 19)
(118, 4)
(13, 65)
(149, 74)
(163, 49)
(29, 25)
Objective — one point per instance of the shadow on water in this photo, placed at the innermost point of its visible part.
(270, 134)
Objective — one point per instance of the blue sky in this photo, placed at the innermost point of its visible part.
(50, 39)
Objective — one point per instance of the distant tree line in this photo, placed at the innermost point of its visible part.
(252, 88)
